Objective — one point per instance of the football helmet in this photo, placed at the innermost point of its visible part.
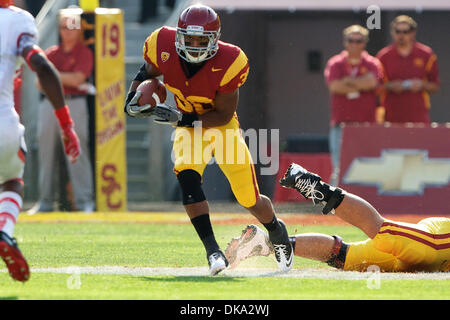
(6, 3)
(202, 22)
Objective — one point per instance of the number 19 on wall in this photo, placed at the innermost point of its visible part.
(110, 40)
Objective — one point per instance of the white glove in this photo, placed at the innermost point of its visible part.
(135, 110)
(166, 114)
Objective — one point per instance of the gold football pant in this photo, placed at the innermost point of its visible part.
(399, 246)
(193, 148)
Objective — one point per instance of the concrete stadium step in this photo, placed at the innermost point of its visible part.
(138, 137)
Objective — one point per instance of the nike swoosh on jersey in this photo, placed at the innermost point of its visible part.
(215, 69)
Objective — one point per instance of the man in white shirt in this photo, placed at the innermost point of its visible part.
(18, 38)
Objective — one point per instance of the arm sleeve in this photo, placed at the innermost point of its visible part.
(25, 31)
(377, 70)
(236, 74)
(150, 49)
(332, 72)
(432, 69)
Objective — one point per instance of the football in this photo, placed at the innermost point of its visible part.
(153, 92)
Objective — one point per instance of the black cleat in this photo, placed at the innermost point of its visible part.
(284, 254)
(305, 182)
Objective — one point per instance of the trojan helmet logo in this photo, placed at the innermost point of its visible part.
(399, 172)
(165, 56)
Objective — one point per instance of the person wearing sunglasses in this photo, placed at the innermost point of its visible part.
(410, 74)
(352, 77)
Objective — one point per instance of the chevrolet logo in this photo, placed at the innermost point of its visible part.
(399, 171)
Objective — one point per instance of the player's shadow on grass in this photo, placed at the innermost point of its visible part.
(190, 279)
(10, 298)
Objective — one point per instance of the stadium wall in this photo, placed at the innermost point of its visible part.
(288, 52)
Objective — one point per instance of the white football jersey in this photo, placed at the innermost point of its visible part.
(15, 23)
(12, 146)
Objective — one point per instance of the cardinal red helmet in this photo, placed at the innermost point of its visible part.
(6, 3)
(201, 22)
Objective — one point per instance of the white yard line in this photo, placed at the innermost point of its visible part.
(242, 272)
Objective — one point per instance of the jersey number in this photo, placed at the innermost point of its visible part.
(191, 103)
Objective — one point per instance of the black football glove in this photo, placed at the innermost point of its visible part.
(187, 120)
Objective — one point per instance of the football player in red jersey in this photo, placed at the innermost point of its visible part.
(205, 74)
(19, 39)
(392, 246)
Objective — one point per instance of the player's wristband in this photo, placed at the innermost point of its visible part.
(187, 120)
(31, 53)
(129, 98)
(63, 116)
(142, 75)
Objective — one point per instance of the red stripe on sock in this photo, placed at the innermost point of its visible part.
(8, 216)
(11, 200)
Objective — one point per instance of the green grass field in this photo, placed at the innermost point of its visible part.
(140, 261)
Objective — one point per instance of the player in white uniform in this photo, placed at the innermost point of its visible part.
(18, 38)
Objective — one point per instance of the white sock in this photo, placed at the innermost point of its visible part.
(10, 207)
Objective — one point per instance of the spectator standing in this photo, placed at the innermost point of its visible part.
(410, 74)
(352, 77)
(74, 62)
